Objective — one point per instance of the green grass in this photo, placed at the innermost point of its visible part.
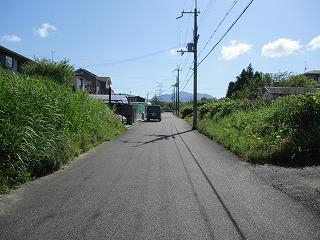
(43, 125)
(286, 131)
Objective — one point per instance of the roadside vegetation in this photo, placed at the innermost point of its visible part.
(284, 131)
(44, 124)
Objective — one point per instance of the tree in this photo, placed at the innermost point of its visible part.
(297, 81)
(248, 84)
(280, 76)
(61, 72)
(230, 89)
(241, 80)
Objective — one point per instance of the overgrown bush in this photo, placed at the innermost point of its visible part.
(297, 81)
(60, 72)
(43, 125)
(186, 110)
(287, 131)
(224, 107)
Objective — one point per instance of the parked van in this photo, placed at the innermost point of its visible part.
(153, 112)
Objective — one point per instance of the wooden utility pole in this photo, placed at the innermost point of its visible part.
(174, 99)
(178, 91)
(195, 68)
(193, 47)
(110, 96)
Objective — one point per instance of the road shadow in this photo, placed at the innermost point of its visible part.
(162, 137)
(158, 137)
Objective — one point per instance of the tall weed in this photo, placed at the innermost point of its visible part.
(43, 125)
(286, 131)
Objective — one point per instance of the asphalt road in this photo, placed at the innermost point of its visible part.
(159, 180)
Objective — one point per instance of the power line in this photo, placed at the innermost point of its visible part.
(186, 82)
(133, 58)
(185, 63)
(226, 32)
(206, 11)
(187, 27)
(184, 4)
(187, 79)
(189, 70)
(219, 25)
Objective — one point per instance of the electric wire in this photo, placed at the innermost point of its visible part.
(186, 83)
(244, 10)
(133, 58)
(219, 25)
(187, 79)
(206, 11)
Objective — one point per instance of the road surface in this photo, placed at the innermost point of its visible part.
(159, 180)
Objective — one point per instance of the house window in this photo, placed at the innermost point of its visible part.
(8, 62)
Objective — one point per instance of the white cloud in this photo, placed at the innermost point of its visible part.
(44, 30)
(10, 38)
(280, 48)
(234, 50)
(314, 43)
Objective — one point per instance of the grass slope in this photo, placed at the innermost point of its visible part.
(43, 125)
(287, 131)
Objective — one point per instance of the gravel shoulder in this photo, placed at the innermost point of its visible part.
(301, 184)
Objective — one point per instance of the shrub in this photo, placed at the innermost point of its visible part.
(186, 110)
(43, 125)
(287, 131)
(297, 81)
(224, 107)
(60, 72)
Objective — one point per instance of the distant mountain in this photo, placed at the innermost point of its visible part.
(184, 97)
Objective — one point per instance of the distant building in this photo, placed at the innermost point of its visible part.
(136, 99)
(90, 82)
(314, 74)
(11, 60)
(271, 93)
(120, 99)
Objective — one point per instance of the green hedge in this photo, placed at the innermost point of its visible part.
(43, 125)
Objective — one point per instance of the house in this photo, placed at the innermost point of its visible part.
(90, 82)
(104, 84)
(271, 93)
(12, 60)
(314, 74)
(132, 99)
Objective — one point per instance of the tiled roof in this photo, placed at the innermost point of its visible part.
(85, 73)
(14, 53)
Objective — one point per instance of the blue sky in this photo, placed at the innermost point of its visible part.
(134, 42)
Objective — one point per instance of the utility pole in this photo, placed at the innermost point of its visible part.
(109, 93)
(192, 47)
(195, 68)
(52, 52)
(178, 91)
(174, 99)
